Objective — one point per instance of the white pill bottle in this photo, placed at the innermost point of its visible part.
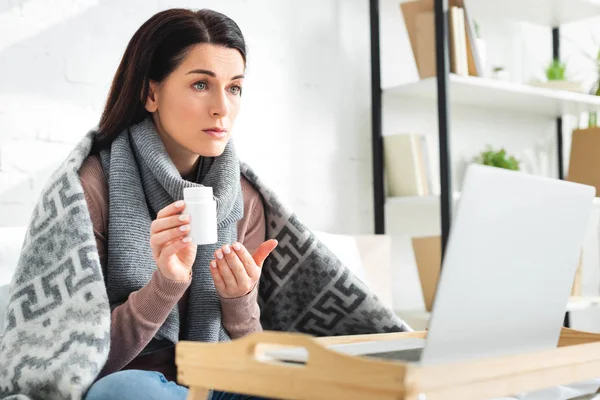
(202, 209)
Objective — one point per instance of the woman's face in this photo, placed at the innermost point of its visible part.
(196, 105)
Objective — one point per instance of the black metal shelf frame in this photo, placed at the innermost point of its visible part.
(443, 111)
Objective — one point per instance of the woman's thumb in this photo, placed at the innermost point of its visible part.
(263, 251)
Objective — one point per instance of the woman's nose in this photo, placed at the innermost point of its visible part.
(219, 106)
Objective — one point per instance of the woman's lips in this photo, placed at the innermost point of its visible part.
(216, 133)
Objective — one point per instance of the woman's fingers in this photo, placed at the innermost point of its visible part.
(254, 262)
(217, 278)
(171, 209)
(249, 265)
(168, 226)
(242, 277)
(163, 224)
(161, 238)
(263, 251)
(225, 271)
(173, 247)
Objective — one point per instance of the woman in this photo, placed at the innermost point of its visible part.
(177, 89)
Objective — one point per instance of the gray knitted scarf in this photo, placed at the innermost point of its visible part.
(57, 333)
(142, 180)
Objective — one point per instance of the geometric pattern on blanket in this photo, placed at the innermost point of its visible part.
(57, 336)
(305, 288)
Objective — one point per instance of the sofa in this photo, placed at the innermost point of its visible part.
(11, 240)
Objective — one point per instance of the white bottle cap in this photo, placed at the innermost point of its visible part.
(202, 194)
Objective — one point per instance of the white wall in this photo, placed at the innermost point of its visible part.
(305, 119)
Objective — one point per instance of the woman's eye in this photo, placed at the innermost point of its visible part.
(200, 85)
(236, 90)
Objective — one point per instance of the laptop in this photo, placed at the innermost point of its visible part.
(507, 273)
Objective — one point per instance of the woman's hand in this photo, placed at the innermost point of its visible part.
(236, 272)
(171, 248)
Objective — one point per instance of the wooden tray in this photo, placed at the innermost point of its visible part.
(238, 366)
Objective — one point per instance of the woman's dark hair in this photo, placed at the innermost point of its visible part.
(154, 51)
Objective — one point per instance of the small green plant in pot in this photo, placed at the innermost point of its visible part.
(556, 71)
(498, 158)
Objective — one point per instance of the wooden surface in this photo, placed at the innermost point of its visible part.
(504, 376)
(571, 337)
(241, 367)
(237, 367)
(197, 393)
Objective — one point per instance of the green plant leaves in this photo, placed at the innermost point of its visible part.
(498, 159)
(556, 71)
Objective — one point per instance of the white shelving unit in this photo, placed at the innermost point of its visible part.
(433, 200)
(495, 94)
(549, 13)
(478, 92)
(510, 96)
(482, 93)
(413, 216)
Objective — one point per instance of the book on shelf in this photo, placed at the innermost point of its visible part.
(458, 47)
(407, 165)
(474, 60)
(419, 19)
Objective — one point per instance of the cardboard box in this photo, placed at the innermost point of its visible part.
(584, 162)
(428, 255)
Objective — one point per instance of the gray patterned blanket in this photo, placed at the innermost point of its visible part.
(58, 318)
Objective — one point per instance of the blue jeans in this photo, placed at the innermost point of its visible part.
(145, 385)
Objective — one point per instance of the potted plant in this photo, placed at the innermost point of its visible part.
(592, 119)
(555, 75)
(556, 71)
(500, 73)
(498, 158)
(593, 74)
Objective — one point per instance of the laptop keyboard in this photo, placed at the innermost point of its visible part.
(410, 355)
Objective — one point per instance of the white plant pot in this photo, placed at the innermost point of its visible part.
(501, 75)
(560, 85)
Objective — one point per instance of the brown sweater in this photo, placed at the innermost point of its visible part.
(135, 322)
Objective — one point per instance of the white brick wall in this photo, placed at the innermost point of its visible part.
(305, 121)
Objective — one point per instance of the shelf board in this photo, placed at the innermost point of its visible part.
(435, 200)
(510, 96)
(551, 13)
(583, 303)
